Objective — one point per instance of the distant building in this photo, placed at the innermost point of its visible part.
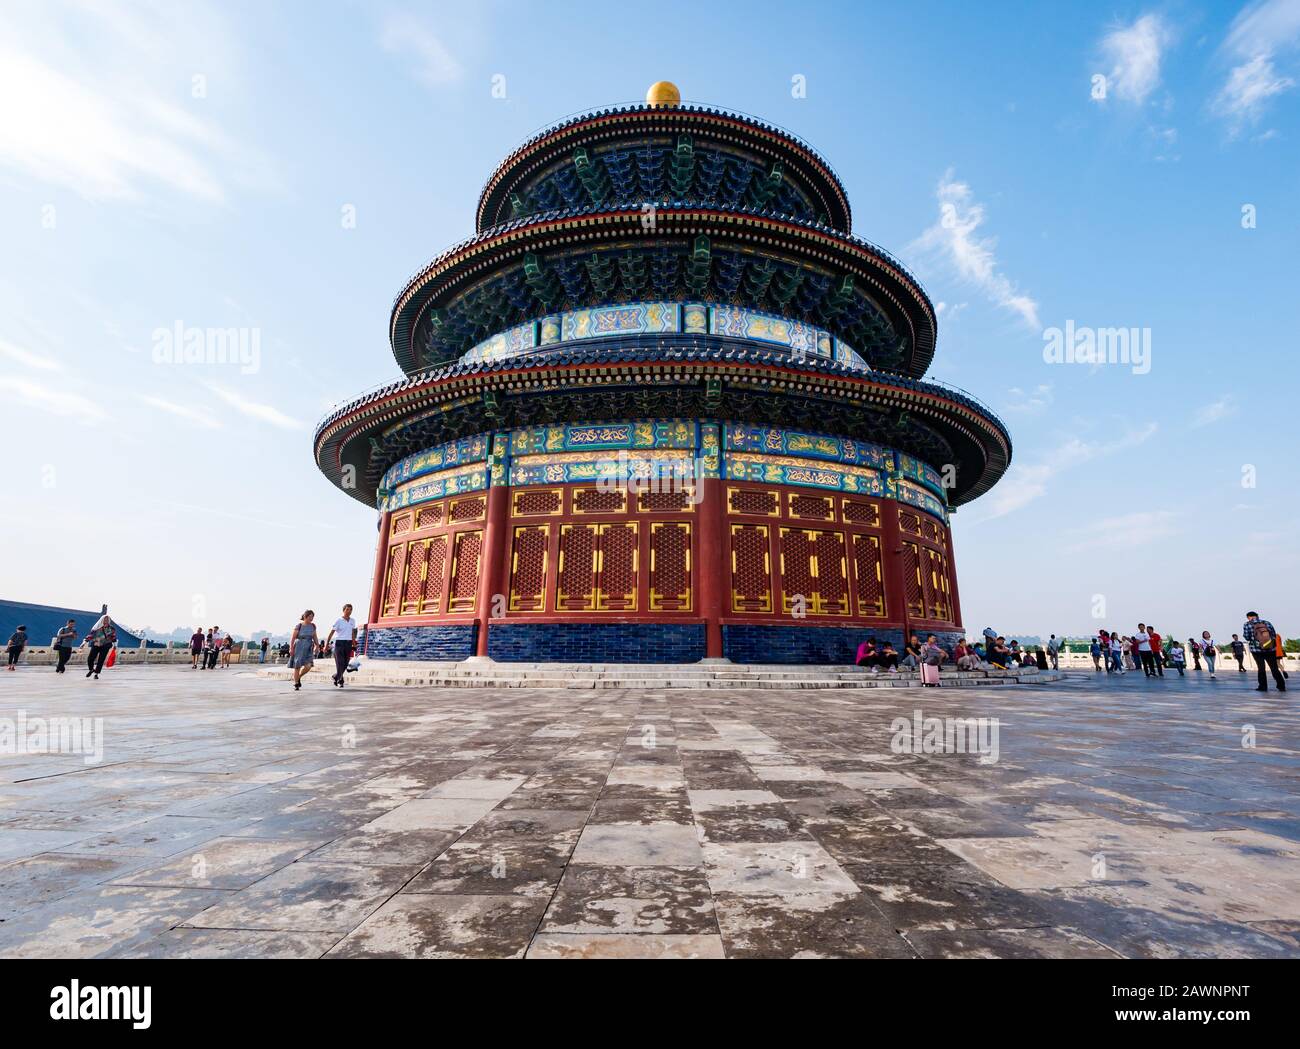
(44, 621)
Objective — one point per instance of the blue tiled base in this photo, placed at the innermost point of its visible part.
(596, 642)
(423, 642)
(751, 643)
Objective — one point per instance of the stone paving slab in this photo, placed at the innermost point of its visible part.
(232, 817)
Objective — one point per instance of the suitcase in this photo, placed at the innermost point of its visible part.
(929, 675)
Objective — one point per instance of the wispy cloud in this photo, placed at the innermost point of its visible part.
(1257, 40)
(33, 361)
(54, 402)
(1132, 55)
(1026, 482)
(406, 34)
(254, 409)
(1216, 411)
(1128, 530)
(956, 239)
(1029, 401)
(198, 416)
(99, 99)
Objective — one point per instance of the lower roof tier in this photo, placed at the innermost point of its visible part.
(356, 445)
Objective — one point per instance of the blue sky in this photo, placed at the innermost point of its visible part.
(194, 164)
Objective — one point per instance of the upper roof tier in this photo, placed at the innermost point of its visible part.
(665, 152)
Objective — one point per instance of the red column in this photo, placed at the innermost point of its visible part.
(891, 543)
(377, 589)
(952, 580)
(712, 565)
(496, 551)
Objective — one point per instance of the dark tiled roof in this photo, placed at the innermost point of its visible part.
(44, 621)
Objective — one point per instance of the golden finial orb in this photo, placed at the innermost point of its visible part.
(663, 95)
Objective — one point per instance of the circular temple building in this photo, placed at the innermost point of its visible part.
(663, 406)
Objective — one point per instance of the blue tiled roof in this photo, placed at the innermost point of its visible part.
(44, 621)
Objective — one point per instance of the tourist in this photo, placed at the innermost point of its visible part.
(206, 660)
(303, 647)
(1116, 654)
(1094, 650)
(266, 642)
(966, 657)
(63, 643)
(1000, 655)
(888, 658)
(1143, 640)
(1239, 653)
(868, 657)
(1157, 650)
(1263, 641)
(932, 656)
(196, 647)
(912, 653)
(1127, 649)
(227, 647)
(1209, 650)
(1194, 647)
(344, 635)
(1178, 658)
(100, 639)
(17, 642)
(1054, 651)
(1041, 658)
(218, 640)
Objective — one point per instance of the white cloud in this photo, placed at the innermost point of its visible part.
(27, 359)
(254, 409)
(1126, 530)
(1132, 54)
(955, 238)
(1029, 401)
(1259, 35)
(1026, 482)
(54, 402)
(98, 99)
(406, 34)
(198, 416)
(1216, 411)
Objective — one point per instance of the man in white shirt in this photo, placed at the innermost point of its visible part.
(344, 635)
(1145, 654)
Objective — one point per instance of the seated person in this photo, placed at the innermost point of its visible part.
(932, 652)
(912, 653)
(965, 657)
(1000, 656)
(867, 654)
(889, 658)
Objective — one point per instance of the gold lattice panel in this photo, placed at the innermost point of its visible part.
(414, 589)
(868, 575)
(670, 566)
(599, 501)
(467, 553)
(616, 566)
(471, 508)
(798, 569)
(831, 560)
(681, 500)
(753, 502)
(814, 507)
(529, 549)
(537, 502)
(429, 516)
(909, 522)
(394, 578)
(575, 586)
(435, 566)
(402, 524)
(860, 512)
(913, 587)
(751, 569)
